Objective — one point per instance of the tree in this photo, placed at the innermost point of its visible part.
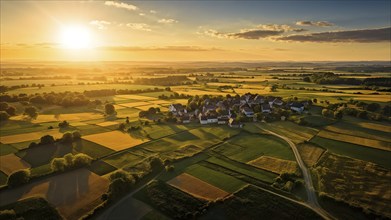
(8, 214)
(3, 106)
(58, 164)
(372, 107)
(68, 160)
(151, 111)
(63, 124)
(31, 111)
(46, 139)
(11, 110)
(76, 135)
(362, 114)
(67, 137)
(315, 100)
(18, 178)
(109, 109)
(338, 114)
(120, 183)
(127, 120)
(142, 114)
(306, 79)
(273, 88)
(81, 160)
(325, 112)
(4, 116)
(121, 126)
(156, 164)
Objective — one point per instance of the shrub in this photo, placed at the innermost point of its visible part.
(156, 164)
(18, 178)
(58, 164)
(68, 160)
(169, 168)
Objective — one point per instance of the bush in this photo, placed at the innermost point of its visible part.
(18, 178)
(58, 164)
(121, 183)
(68, 159)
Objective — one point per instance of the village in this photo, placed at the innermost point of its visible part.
(233, 111)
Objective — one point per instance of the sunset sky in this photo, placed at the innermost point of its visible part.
(196, 30)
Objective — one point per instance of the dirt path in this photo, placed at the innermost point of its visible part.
(311, 195)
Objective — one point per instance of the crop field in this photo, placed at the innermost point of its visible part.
(310, 153)
(217, 179)
(7, 149)
(291, 130)
(356, 182)
(11, 163)
(162, 130)
(73, 193)
(124, 159)
(115, 140)
(17, 138)
(197, 187)
(41, 155)
(107, 123)
(137, 97)
(275, 165)
(356, 140)
(247, 147)
(134, 104)
(91, 149)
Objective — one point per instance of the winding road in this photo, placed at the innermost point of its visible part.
(312, 200)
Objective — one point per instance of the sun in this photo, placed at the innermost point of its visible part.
(75, 37)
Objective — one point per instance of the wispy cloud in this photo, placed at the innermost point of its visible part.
(100, 24)
(315, 23)
(359, 36)
(121, 5)
(152, 12)
(165, 48)
(167, 21)
(255, 34)
(139, 26)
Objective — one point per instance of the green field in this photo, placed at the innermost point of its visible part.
(3, 178)
(380, 157)
(123, 159)
(215, 178)
(7, 149)
(101, 168)
(244, 169)
(291, 130)
(90, 148)
(247, 147)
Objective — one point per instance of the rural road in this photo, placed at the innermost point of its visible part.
(312, 200)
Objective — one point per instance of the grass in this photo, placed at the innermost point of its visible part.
(7, 149)
(91, 129)
(246, 147)
(255, 203)
(275, 165)
(154, 215)
(215, 178)
(294, 132)
(245, 170)
(3, 178)
(377, 144)
(318, 121)
(310, 153)
(358, 183)
(90, 148)
(197, 187)
(123, 159)
(43, 154)
(355, 151)
(101, 168)
(162, 130)
(11, 163)
(41, 170)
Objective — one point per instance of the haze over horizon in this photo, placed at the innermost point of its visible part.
(196, 31)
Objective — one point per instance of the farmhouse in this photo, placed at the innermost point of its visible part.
(185, 119)
(203, 119)
(265, 107)
(177, 109)
(297, 107)
(212, 119)
(234, 123)
(248, 111)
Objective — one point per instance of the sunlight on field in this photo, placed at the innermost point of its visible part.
(274, 165)
(136, 97)
(134, 104)
(10, 163)
(17, 138)
(107, 123)
(115, 140)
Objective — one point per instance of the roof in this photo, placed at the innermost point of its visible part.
(297, 104)
(178, 106)
(265, 106)
(247, 109)
(203, 118)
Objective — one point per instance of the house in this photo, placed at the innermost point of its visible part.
(203, 119)
(211, 119)
(278, 102)
(209, 107)
(223, 120)
(248, 111)
(177, 109)
(185, 119)
(234, 123)
(265, 107)
(258, 99)
(297, 107)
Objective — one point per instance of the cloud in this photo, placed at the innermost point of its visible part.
(167, 21)
(315, 23)
(166, 48)
(100, 24)
(358, 36)
(121, 5)
(141, 14)
(139, 26)
(152, 12)
(255, 34)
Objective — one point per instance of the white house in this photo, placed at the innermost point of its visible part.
(177, 109)
(203, 119)
(212, 119)
(248, 111)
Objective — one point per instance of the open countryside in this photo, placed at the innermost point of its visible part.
(150, 110)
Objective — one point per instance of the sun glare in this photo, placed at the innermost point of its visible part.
(75, 37)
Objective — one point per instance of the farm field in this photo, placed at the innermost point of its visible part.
(342, 178)
(197, 187)
(310, 153)
(274, 165)
(10, 163)
(17, 138)
(115, 140)
(72, 193)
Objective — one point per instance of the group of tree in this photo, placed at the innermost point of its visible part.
(121, 182)
(111, 92)
(164, 81)
(65, 99)
(149, 112)
(332, 78)
(18, 178)
(110, 109)
(70, 161)
(67, 137)
(174, 95)
(337, 114)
